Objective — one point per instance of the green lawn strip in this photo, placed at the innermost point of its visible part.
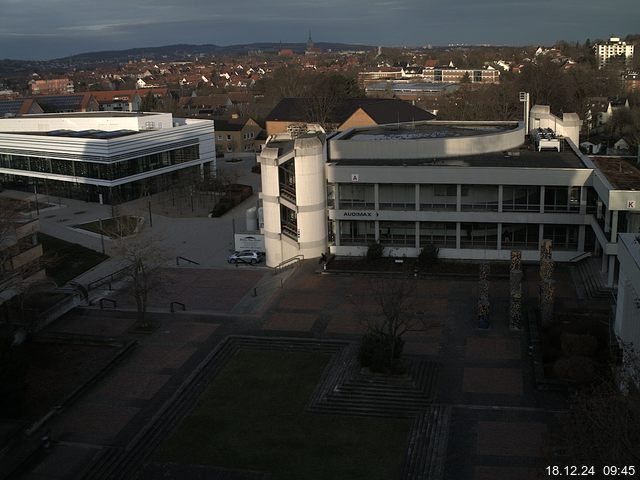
(64, 260)
(252, 417)
(112, 227)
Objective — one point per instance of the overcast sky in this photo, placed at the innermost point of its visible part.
(45, 29)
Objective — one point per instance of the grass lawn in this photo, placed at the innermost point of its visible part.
(113, 227)
(64, 260)
(252, 417)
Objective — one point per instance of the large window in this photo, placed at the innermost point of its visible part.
(101, 170)
(563, 237)
(398, 234)
(353, 232)
(562, 199)
(438, 197)
(479, 235)
(517, 198)
(397, 196)
(481, 197)
(520, 236)
(442, 235)
(289, 222)
(356, 195)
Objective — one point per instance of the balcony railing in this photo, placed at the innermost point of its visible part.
(480, 206)
(398, 206)
(438, 206)
(290, 230)
(288, 192)
(356, 204)
(520, 207)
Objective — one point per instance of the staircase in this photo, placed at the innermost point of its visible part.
(592, 282)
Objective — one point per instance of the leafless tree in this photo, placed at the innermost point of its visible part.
(602, 426)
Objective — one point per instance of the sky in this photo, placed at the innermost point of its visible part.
(46, 29)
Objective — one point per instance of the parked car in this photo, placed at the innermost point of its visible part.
(246, 256)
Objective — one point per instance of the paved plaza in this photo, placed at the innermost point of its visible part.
(499, 422)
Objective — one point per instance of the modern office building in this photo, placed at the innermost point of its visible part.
(475, 190)
(105, 157)
(611, 49)
(627, 322)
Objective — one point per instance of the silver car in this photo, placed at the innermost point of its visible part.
(246, 256)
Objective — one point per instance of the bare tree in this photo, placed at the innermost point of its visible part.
(144, 259)
(602, 426)
(395, 299)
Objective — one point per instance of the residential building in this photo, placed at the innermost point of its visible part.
(54, 86)
(80, 102)
(130, 100)
(611, 49)
(475, 190)
(105, 157)
(238, 138)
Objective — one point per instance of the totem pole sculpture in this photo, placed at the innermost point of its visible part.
(515, 291)
(547, 288)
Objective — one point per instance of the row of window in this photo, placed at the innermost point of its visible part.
(444, 197)
(443, 234)
(101, 171)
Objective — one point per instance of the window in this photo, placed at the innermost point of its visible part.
(445, 190)
(356, 195)
(479, 235)
(520, 198)
(398, 234)
(228, 137)
(520, 236)
(397, 196)
(438, 234)
(563, 237)
(353, 232)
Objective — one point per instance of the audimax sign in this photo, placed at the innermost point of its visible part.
(363, 214)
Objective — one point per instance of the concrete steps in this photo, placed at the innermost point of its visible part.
(426, 454)
(592, 280)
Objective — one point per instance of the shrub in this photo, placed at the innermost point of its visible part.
(577, 344)
(375, 251)
(428, 255)
(577, 368)
(375, 353)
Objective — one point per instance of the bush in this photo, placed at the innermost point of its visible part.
(576, 344)
(428, 256)
(375, 251)
(375, 353)
(577, 368)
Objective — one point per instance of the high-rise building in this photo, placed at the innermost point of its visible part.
(613, 48)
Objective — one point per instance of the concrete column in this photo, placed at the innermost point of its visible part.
(540, 234)
(541, 203)
(500, 194)
(376, 196)
(417, 197)
(612, 270)
(458, 235)
(607, 221)
(458, 198)
(583, 200)
(417, 242)
(603, 267)
(500, 235)
(581, 237)
(377, 227)
(336, 232)
(336, 196)
(599, 209)
(614, 226)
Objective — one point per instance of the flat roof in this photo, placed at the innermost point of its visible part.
(93, 134)
(621, 172)
(90, 114)
(524, 157)
(426, 130)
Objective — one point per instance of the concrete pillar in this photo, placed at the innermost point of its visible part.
(336, 226)
(458, 235)
(376, 196)
(377, 227)
(581, 237)
(583, 200)
(541, 202)
(458, 198)
(500, 236)
(417, 242)
(614, 226)
(603, 267)
(417, 197)
(336, 196)
(612, 271)
(607, 221)
(500, 195)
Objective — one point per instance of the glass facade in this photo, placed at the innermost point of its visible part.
(516, 198)
(523, 236)
(479, 235)
(353, 232)
(397, 196)
(562, 199)
(398, 234)
(101, 171)
(564, 237)
(442, 235)
(358, 195)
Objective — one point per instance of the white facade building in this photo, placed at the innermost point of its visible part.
(475, 190)
(613, 48)
(104, 156)
(627, 322)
